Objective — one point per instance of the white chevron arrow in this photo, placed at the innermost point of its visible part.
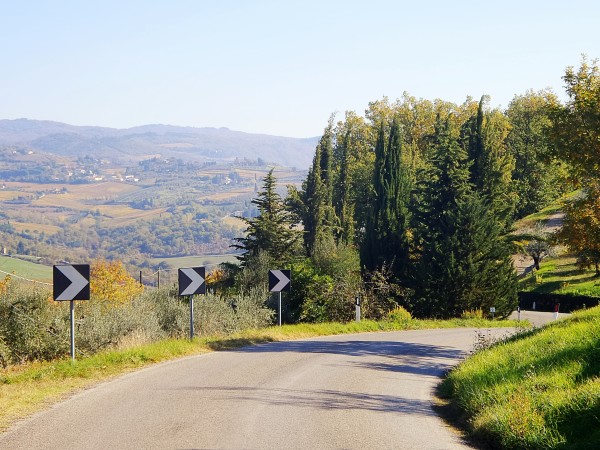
(78, 282)
(196, 279)
(282, 283)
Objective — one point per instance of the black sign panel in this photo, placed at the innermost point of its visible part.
(280, 280)
(71, 282)
(192, 281)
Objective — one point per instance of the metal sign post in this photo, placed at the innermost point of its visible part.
(70, 283)
(279, 314)
(192, 282)
(72, 315)
(357, 304)
(280, 280)
(191, 317)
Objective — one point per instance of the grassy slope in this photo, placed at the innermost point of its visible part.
(25, 269)
(558, 274)
(28, 388)
(537, 390)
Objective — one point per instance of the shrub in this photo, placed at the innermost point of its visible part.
(472, 314)
(399, 315)
(34, 327)
(219, 315)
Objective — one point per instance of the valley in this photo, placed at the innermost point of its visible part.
(143, 212)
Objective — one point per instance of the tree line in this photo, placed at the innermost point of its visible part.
(413, 204)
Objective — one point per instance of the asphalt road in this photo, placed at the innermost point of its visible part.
(353, 391)
(538, 318)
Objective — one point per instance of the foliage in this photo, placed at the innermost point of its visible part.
(538, 178)
(580, 231)
(540, 389)
(575, 128)
(313, 204)
(382, 294)
(110, 283)
(272, 230)
(468, 267)
(33, 327)
(386, 237)
(483, 136)
(399, 315)
(464, 261)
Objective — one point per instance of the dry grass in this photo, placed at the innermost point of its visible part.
(35, 227)
(9, 195)
(234, 222)
(220, 196)
(101, 190)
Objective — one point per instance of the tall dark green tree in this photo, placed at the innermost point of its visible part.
(483, 136)
(386, 238)
(272, 231)
(464, 262)
(313, 205)
(344, 208)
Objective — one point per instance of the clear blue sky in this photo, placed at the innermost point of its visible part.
(277, 67)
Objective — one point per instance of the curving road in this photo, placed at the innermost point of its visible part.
(353, 391)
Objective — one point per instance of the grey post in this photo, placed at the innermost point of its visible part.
(357, 304)
(73, 330)
(279, 319)
(191, 317)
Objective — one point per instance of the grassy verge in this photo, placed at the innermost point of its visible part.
(561, 276)
(537, 390)
(29, 388)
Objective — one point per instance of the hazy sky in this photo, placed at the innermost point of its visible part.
(277, 67)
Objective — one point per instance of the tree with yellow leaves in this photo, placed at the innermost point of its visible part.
(110, 283)
(581, 228)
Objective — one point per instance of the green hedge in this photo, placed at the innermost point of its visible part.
(547, 301)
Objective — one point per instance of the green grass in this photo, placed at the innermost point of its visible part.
(545, 214)
(27, 388)
(538, 390)
(25, 269)
(561, 276)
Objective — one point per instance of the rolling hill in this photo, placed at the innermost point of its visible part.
(187, 143)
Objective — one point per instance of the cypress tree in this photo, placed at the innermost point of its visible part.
(491, 162)
(386, 240)
(343, 207)
(313, 205)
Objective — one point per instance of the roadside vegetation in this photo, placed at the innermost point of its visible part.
(539, 389)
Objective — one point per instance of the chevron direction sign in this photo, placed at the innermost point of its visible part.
(280, 280)
(191, 281)
(71, 282)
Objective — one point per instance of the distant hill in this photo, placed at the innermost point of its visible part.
(156, 140)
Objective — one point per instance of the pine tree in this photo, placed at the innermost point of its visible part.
(272, 230)
(386, 240)
(464, 262)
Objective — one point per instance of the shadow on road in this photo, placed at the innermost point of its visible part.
(317, 399)
(405, 357)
